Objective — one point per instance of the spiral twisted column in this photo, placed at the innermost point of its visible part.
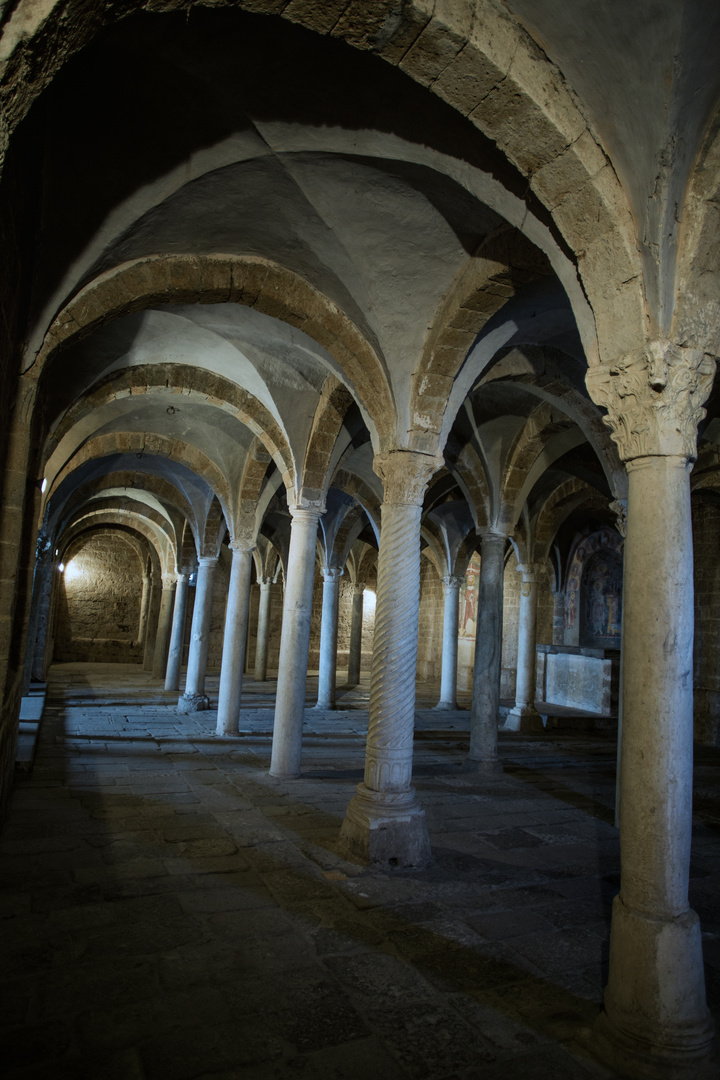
(162, 638)
(233, 654)
(524, 716)
(294, 642)
(194, 699)
(263, 631)
(356, 621)
(177, 636)
(384, 824)
(327, 676)
(448, 675)
(483, 755)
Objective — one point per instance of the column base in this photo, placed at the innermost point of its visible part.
(655, 1023)
(330, 707)
(444, 706)
(525, 719)
(190, 703)
(386, 829)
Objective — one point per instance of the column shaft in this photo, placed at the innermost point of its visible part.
(162, 639)
(558, 631)
(356, 627)
(194, 698)
(525, 717)
(327, 676)
(151, 625)
(294, 644)
(263, 631)
(448, 676)
(488, 657)
(144, 606)
(233, 654)
(177, 637)
(656, 1022)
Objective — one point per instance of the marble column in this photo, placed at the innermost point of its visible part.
(151, 624)
(144, 606)
(483, 754)
(177, 636)
(384, 823)
(294, 642)
(327, 675)
(655, 1021)
(524, 716)
(448, 675)
(194, 699)
(356, 628)
(233, 654)
(162, 638)
(263, 630)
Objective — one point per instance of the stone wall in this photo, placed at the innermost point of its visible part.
(706, 544)
(98, 603)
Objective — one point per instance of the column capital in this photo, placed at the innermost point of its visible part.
(304, 511)
(529, 571)
(332, 573)
(208, 560)
(358, 587)
(488, 535)
(452, 582)
(265, 582)
(654, 399)
(618, 507)
(242, 543)
(168, 580)
(406, 474)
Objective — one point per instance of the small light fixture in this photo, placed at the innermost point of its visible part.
(43, 486)
(61, 567)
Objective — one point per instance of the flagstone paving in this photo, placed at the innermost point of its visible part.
(168, 910)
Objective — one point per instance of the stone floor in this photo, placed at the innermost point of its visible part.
(169, 911)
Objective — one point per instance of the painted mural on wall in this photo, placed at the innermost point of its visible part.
(594, 591)
(467, 618)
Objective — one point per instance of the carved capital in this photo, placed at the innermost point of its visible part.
(305, 511)
(168, 581)
(405, 475)
(332, 573)
(451, 582)
(654, 399)
(242, 542)
(529, 573)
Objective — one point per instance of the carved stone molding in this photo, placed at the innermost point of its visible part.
(405, 475)
(619, 508)
(654, 399)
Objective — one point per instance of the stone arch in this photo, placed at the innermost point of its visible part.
(332, 408)
(250, 280)
(563, 501)
(603, 540)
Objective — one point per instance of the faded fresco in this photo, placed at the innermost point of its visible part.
(601, 600)
(467, 616)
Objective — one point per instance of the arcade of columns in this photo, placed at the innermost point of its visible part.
(302, 322)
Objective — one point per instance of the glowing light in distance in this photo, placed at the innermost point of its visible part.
(61, 567)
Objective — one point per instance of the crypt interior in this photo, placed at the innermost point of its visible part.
(360, 536)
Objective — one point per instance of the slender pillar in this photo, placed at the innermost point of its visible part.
(327, 676)
(263, 630)
(558, 631)
(233, 654)
(151, 624)
(356, 628)
(44, 574)
(525, 717)
(483, 754)
(144, 608)
(194, 699)
(177, 637)
(656, 1023)
(384, 823)
(448, 675)
(294, 642)
(162, 639)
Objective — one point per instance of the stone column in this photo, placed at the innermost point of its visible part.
(263, 630)
(233, 654)
(384, 823)
(525, 717)
(356, 628)
(448, 676)
(294, 642)
(151, 624)
(194, 699)
(177, 637)
(162, 639)
(655, 1021)
(485, 708)
(558, 631)
(327, 676)
(44, 574)
(144, 607)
